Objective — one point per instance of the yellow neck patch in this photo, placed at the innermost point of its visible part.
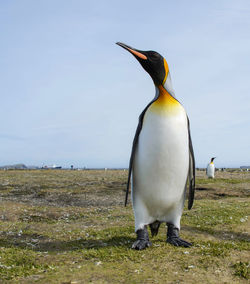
(165, 104)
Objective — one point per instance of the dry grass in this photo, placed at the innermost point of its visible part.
(71, 227)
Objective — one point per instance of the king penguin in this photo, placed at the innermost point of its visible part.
(210, 168)
(162, 158)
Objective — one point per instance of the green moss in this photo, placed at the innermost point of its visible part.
(16, 262)
(242, 269)
(214, 212)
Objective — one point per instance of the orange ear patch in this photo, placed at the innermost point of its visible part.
(138, 54)
(166, 71)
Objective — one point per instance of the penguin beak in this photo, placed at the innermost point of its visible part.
(151, 61)
(137, 53)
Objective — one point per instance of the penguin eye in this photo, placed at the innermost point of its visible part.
(154, 56)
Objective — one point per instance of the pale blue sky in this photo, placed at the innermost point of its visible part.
(69, 95)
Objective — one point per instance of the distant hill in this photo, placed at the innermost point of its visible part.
(245, 167)
(33, 167)
(14, 167)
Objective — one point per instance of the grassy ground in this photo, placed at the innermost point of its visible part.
(71, 227)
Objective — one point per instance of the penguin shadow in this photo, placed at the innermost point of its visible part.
(41, 243)
(203, 188)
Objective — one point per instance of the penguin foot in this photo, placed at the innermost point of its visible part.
(142, 241)
(178, 242)
(141, 244)
(174, 239)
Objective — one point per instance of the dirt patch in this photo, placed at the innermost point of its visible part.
(218, 193)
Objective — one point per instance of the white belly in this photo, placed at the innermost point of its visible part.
(160, 167)
(210, 170)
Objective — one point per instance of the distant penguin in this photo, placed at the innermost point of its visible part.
(162, 157)
(210, 168)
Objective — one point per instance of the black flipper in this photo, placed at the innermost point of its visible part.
(154, 227)
(135, 141)
(191, 173)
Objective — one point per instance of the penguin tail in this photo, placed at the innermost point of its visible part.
(154, 227)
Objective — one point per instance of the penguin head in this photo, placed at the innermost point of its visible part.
(212, 159)
(152, 62)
